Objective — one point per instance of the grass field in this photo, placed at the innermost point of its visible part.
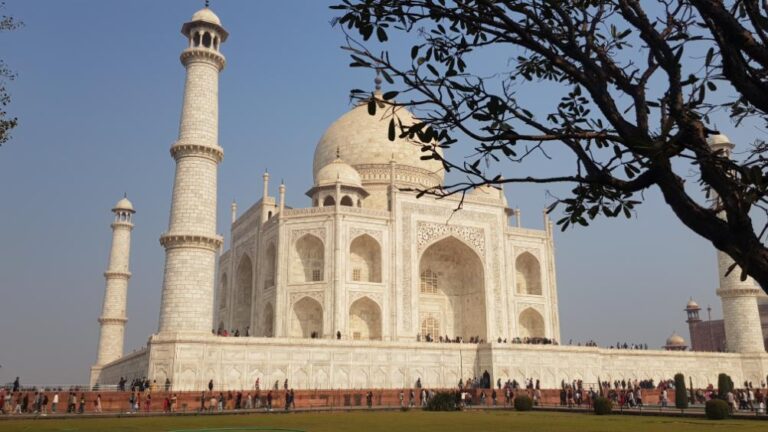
(507, 421)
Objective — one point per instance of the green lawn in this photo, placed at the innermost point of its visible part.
(507, 421)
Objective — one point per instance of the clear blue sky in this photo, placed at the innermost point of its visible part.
(99, 96)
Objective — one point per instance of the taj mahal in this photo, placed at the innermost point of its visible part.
(359, 288)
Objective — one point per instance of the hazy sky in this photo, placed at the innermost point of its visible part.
(98, 97)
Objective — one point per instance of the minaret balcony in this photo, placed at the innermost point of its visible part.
(206, 55)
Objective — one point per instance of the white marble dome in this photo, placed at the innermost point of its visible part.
(338, 170)
(124, 204)
(363, 140)
(692, 305)
(719, 140)
(207, 15)
(675, 340)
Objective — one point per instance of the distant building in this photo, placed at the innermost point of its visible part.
(675, 343)
(709, 335)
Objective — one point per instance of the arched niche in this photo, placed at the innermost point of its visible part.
(365, 320)
(346, 200)
(270, 264)
(329, 201)
(269, 320)
(365, 259)
(531, 324)
(457, 301)
(223, 297)
(307, 318)
(241, 318)
(528, 274)
(429, 326)
(307, 261)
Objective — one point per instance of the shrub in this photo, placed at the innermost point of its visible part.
(681, 395)
(442, 401)
(716, 409)
(724, 385)
(603, 406)
(523, 403)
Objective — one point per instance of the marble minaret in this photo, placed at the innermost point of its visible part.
(112, 320)
(741, 317)
(191, 242)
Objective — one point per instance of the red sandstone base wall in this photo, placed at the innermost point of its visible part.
(191, 401)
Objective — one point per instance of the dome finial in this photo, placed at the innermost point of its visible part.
(338, 152)
(207, 3)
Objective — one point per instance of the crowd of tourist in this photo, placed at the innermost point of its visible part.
(143, 394)
(478, 340)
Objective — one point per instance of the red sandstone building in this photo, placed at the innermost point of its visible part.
(709, 335)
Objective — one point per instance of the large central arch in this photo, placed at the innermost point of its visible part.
(452, 290)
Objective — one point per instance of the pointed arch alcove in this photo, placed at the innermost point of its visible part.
(365, 260)
(307, 263)
(307, 318)
(531, 324)
(364, 320)
(452, 290)
(268, 326)
(223, 296)
(243, 297)
(528, 274)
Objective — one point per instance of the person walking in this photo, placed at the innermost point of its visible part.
(17, 409)
(6, 401)
(97, 404)
(269, 401)
(44, 408)
(81, 408)
(210, 385)
(16, 385)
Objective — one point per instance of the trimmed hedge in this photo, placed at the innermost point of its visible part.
(724, 385)
(716, 409)
(523, 403)
(603, 406)
(442, 401)
(681, 395)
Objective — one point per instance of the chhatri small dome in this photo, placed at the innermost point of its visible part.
(124, 204)
(719, 140)
(675, 340)
(363, 140)
(206, 14)
(339, 171)
(692, 304)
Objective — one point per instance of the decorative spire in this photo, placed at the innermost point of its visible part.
(338, 152)
(207, 3)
